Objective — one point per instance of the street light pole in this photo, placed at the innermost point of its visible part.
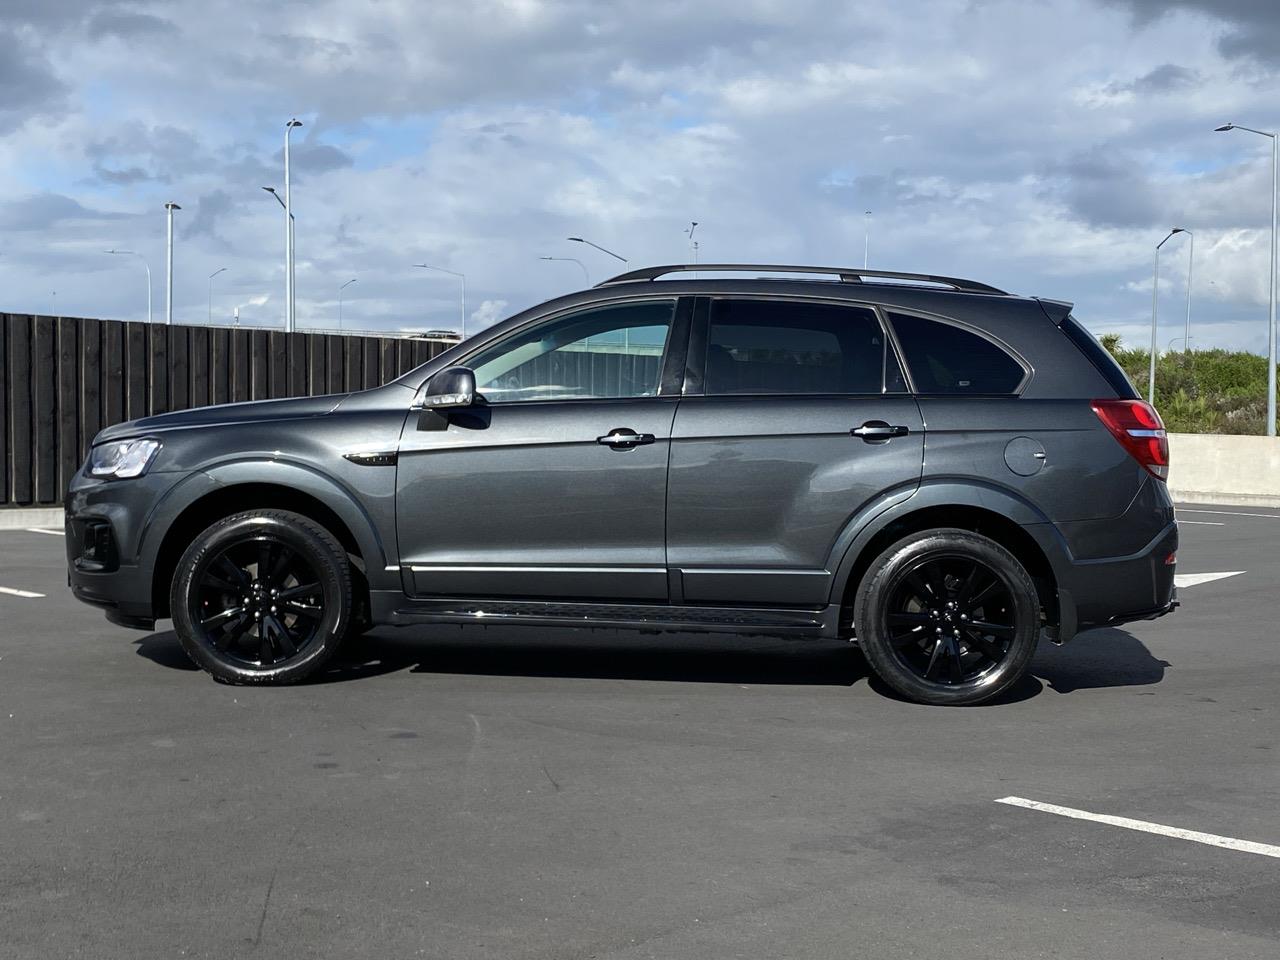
(340, 289)
(585, 276)
(598, 247)
(288, 282)
(211, 276)
(1271, 290)
(463, 278)
(168, 307)
(1155, 300)
(145, 266)
(866, 238)
(290, 292)
(1191, 259)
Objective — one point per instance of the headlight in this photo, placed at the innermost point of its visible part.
(124, 458)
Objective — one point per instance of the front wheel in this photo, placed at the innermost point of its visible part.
(262, 597)
(947, 617)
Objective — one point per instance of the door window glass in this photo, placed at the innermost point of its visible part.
(602, 353)
(781, 346)
(946, 359)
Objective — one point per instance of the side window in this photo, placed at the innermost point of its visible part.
(781, 346)
(601, 353)
(947, 359)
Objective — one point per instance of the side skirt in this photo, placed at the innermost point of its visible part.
(398, 610)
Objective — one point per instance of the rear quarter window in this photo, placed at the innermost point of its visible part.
(1097, 354)
(947, 359)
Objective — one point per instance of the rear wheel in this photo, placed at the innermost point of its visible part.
(947, 617)
(262, 597)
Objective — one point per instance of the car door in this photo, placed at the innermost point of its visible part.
(796, 417)
(554, 486)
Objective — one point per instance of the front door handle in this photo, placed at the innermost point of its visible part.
(624, 438)
(877, 431)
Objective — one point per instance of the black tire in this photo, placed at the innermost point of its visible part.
(262, 597)
(947, 617)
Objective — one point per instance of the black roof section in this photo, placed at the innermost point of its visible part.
(845, 274)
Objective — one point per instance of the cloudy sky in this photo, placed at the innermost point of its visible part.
(1044, 146)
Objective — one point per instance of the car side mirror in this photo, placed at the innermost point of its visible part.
(450, 389)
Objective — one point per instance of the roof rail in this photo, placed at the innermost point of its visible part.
(846, 274)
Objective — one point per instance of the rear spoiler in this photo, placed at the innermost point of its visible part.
(1055, 310)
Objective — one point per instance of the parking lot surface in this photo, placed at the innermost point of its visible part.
(481, 793)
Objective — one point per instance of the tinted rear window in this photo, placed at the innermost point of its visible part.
(780, 346)
(947, 359)
(1097, 354)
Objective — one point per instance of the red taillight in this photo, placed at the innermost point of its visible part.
(1139, 429)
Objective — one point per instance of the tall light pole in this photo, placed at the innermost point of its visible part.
(600, 248)
(168, 304)
(1271, 316)
(290, 279)
(1191, 259)
(145, 266)
(463, 278)
(585, 276)
(1155, 300)
(693, 244)
(211, 276)
(866, 238)
(340, 289)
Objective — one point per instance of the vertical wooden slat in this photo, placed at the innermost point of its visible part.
(370, 377)
(240, 366)
(260, 384)
(113, 389)
(135, 366)
(179, 367)
(318, 372)
(333, 353)
(199, 366)
(43, 360)
(278, 385)
(350, 364)
(158, 398)
(20, 420)
(90, 383)
(68, 398)
(297, 359)
(219, 365)
(387, 367)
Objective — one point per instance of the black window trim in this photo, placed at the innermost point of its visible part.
(673, 351)
(1028, 371)
(695, 373)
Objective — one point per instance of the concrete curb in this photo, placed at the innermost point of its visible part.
(24, 517)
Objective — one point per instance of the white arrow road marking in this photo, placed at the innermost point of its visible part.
(1181, 580)
(56, 533)
(27, 594)
(1228, 843)
(1231, 513)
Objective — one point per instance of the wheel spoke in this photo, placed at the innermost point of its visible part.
(309, 611)
(299, 591)
(991, 651)
(957, 665)
(904, 619)
(280, 633)
(985, 594)
(220, 618)
(937, 582)
(923, 592)
(966, 588)
(233, 632)
(933, 659)
(266, 554)
(283, 561)
(237, 576)
(995, 629)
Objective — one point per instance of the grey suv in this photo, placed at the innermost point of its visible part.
(929, 467)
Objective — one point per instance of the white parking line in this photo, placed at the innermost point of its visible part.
(1232, 513)
(1204, 523)
(63, 533)
(1181, 580)
(26, 594)
(1228, 843)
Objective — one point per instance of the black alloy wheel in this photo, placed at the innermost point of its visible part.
(262, 597)
(947, 617)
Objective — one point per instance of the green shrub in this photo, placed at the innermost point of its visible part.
(1203, 391)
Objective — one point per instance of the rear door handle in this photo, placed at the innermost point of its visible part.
(624, 438)
(877, 431)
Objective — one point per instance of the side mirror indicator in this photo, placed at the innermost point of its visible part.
(450, 389)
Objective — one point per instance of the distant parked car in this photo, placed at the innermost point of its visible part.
(934, 469)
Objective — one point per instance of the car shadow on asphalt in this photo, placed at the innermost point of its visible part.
(1103, 658)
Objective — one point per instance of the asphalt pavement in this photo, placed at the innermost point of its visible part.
(485, 793)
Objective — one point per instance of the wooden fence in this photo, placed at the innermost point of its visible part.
(65, 378)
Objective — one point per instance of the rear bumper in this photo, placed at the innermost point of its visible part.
(1115, 590)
